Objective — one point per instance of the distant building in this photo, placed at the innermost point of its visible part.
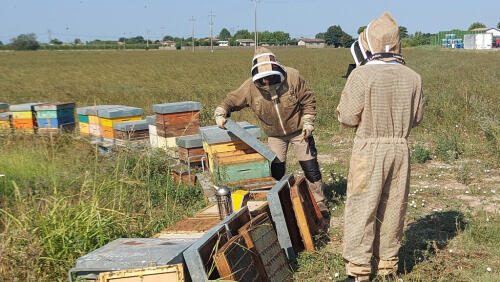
(223, 43)
(168, 43)
(311, 42)
(494, 31)
(245, 42)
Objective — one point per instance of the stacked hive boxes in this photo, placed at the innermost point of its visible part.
(176, 119)
(190, 148)
(130, 131)
(5, 117)
(109, 116)
(83, 121)
(88, 120)
(231, 160)
(53, 117)
(23, 117)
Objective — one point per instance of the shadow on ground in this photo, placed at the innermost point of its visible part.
(425, 236)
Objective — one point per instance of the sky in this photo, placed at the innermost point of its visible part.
(111, 19)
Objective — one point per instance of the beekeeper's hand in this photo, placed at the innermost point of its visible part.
(308, 126)
(220, 117)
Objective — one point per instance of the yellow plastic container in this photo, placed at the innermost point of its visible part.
(94, 120)
(109, 122)
(84, 128)
(22, 115)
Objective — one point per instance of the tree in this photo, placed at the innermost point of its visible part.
(498, 25)
(361, 28)
(333, 35)
(77, 41)
(224, 34)
(476, 25)
(25, 42)
(168, 38)
(346, 40)
(55, 41)
(242, 34)
(320, 35)
(403, 32)
(1, 43)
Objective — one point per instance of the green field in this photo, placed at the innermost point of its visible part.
(60, 199)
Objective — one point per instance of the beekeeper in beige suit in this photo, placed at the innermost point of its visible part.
(286, 107)
(383, 100)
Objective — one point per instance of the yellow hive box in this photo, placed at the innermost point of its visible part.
(22, 115)
(84, 128)
(94, 120)
(109, 122)
(236, 147)
(4, 124)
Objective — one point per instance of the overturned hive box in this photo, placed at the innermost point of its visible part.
(177, 119)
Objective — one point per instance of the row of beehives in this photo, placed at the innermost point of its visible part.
(255, 243)
(175, 128)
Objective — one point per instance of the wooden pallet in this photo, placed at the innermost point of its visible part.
(168, 273)
(261, 239)
(309, 218)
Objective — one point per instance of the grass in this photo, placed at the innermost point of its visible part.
(60, 199)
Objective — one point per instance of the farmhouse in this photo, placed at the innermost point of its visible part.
(312, 42)
(223, 43)
(245, 42)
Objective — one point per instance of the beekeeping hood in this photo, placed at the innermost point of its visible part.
(265, 63)
(380, 40)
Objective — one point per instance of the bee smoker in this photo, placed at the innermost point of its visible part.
(224, 203)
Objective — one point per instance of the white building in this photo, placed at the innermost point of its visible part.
(312, 43)
(223, 43)
(245, 42)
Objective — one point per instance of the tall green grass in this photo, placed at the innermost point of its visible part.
(60, 199)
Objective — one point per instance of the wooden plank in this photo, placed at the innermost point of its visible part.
(237, 159)
(309, 218)
(235, 262)
(283, 216)
(261, 239)
(168, 273)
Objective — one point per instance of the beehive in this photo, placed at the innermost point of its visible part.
(23, 117)
(53, 117)
(131, 130)
(4, 107)
(109, 116)
(177, 119)
(88, 121)
(230, 159)
(190, 148)
(5, 121)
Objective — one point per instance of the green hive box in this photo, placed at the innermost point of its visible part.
(242, 171)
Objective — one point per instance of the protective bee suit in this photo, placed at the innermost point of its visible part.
(286, 108)
(383, 100)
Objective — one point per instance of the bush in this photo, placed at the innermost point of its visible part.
(419, 154)
(25, 42)
(448, 148)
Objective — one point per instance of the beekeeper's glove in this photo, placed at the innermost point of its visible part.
(220, 117)
(308, 126)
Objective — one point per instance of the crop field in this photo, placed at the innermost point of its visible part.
(60, 198)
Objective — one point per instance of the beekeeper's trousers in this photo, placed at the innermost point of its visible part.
(306, 153)
(377, 195)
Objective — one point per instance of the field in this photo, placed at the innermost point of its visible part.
(60, 199)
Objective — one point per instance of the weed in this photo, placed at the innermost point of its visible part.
(419, 154)
(448, 148)
(463, 173)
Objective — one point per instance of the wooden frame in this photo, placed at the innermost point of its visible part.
(309, 218)
(235, 262)
(168, 273)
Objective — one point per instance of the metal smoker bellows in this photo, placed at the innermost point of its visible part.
(224, 202)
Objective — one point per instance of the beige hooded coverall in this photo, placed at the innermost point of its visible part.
(384, 101)
(281, 118)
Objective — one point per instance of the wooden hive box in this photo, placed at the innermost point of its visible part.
(177, 119)
(260, 238)
(307, 213)
(283, 216)
(167, 273)
(229, 167)
(190, 148)
(5, 121)
(131, 130)
(84, 128)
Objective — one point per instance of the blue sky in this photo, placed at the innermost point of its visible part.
(111, 19)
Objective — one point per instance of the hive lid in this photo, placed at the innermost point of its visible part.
(5, 115)
(133, 125)
(119, 112)
(213, 134)
(178, 107)
(151, 120)
(189, 141)
(4, 105)
(92, 110)
(24, 107)
(54, 106)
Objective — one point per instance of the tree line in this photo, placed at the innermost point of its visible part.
(334, 36)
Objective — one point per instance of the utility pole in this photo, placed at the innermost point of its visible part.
(147, 39)
(192, 20)
(211, 23)
(255, 25)
(50, 35)
(162, 32)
